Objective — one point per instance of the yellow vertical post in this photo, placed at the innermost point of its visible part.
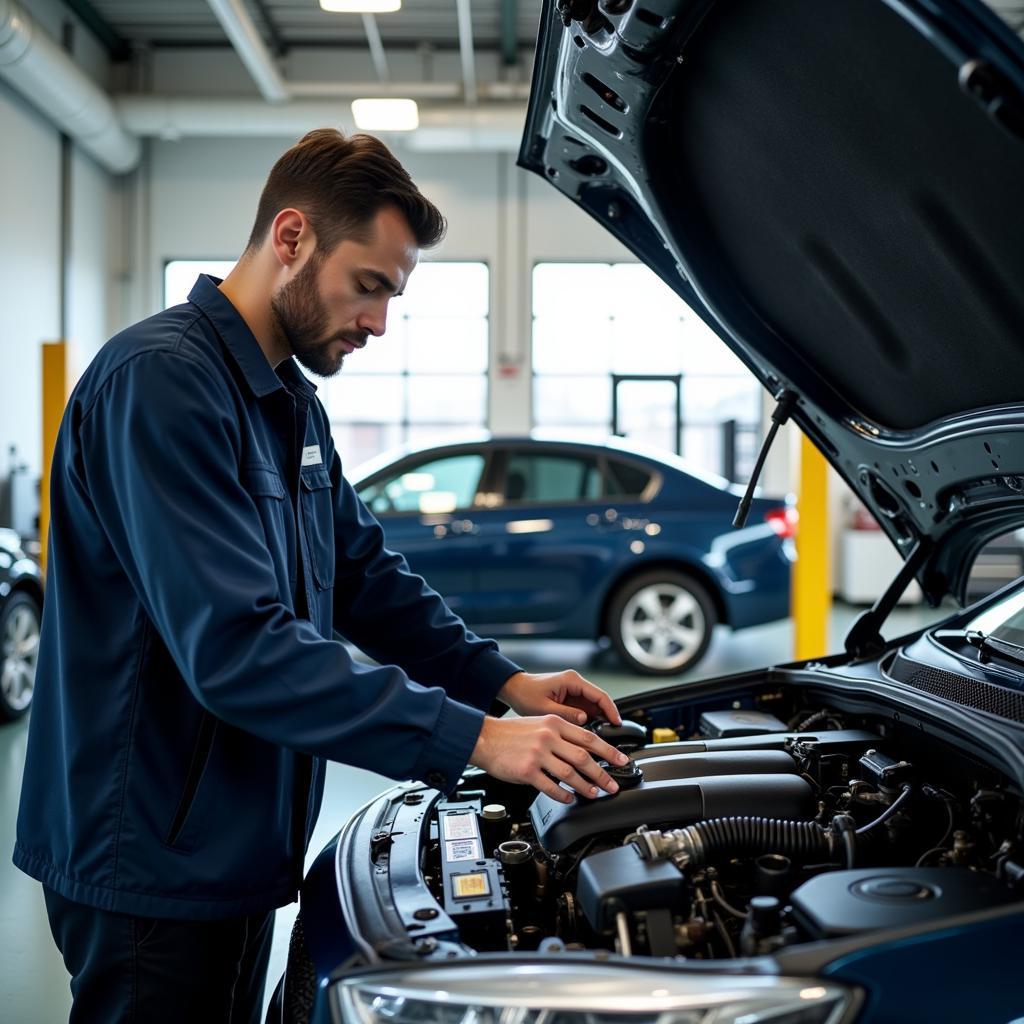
(811, 594)
(55, 397)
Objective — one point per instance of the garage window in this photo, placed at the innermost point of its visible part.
(596, 322)
(425, 380)
(180, 275)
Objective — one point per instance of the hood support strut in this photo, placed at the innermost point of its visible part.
(865, 637)
(786, 400)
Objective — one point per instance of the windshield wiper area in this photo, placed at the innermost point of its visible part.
(988, 645)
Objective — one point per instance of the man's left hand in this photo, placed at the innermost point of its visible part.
(566, 694)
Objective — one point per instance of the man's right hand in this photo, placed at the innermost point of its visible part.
(543, 751)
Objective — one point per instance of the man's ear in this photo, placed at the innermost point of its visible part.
(290, 235)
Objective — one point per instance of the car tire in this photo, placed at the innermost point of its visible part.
(661, 622)
(19, 650)
(299, 978)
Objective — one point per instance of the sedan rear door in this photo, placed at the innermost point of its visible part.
(425, 504)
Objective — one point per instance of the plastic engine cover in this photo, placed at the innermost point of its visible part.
(669, 803)
(846, 902)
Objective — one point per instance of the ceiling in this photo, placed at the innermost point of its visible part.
(501, 26)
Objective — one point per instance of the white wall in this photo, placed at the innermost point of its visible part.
(30, 265)
(29, 270)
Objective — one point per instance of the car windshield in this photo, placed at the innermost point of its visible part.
(1003, 621)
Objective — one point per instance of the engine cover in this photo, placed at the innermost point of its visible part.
(669, 803)
(846, 902)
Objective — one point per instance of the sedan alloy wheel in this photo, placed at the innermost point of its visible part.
(19, 650)
(661, 622)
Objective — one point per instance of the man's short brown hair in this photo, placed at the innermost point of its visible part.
(340, 184)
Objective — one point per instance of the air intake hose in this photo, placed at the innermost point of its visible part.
(706, 841)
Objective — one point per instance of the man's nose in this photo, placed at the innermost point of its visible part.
(374, 320)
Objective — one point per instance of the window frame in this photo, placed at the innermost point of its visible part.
(410, 463)
(503, 449)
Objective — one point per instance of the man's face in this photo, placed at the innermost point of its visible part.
(338, 299)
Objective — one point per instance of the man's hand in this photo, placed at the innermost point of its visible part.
(543, 752)
(566, 694)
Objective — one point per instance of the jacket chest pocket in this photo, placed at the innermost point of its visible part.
(318, 522)
(266, 488)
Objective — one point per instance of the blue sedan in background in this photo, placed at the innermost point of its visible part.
(547, 538)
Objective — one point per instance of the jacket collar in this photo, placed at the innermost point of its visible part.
(239, 340)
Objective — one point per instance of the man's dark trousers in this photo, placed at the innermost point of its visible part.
(128, 969)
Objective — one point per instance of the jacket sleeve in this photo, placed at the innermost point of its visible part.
(162, 471)
(436, 647)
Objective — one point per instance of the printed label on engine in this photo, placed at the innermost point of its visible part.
(460, 826)
(465, 887)
(462, 849)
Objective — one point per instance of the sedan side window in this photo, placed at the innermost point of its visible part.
(551, 478)
(626, 480)
(440, 485)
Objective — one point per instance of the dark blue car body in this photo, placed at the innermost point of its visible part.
(548, 560)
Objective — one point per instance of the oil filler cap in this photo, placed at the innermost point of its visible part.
(626, 775)
(893, 890)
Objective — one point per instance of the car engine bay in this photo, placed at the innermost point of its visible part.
(738, 831)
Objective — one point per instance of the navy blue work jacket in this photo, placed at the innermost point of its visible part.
(204, 548)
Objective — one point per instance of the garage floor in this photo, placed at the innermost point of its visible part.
(33, 982)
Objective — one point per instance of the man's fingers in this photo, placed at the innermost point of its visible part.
(545, 785)
(566, 773)
(594, 744)
(598, 697)
(585, 767)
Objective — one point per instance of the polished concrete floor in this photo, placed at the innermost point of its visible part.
(33, 982)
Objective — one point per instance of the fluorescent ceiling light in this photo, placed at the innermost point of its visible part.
(361, 6)
(386, 115)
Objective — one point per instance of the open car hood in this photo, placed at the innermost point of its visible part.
(836, 190)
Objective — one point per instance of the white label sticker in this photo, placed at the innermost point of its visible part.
(311, 456)
(462, 849)
(461, 825)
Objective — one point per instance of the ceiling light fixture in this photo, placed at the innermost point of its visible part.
(386, 115)
(361, 6)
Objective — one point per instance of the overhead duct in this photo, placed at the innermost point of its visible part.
(452, 127)
(37, 68)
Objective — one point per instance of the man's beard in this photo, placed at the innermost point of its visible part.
(300, 317)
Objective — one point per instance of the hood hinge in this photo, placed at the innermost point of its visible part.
(864, 640)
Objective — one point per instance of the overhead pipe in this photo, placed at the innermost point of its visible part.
(252, 51)
(466, 50)
(36, 67)
(449, 127)
(408, 90)
(373, 40)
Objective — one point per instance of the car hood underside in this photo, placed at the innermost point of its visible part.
(837, 194)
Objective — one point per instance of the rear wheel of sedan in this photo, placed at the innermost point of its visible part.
(19, 650)
(660, 622)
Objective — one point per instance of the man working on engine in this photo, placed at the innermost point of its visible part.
(204, 549)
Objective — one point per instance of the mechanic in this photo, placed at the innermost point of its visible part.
(206, 556)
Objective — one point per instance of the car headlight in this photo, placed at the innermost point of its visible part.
(584, 994)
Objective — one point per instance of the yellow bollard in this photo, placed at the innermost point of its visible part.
(811, 596)
(55, 397)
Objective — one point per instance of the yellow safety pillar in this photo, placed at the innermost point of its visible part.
(55, 397)
(811, 597)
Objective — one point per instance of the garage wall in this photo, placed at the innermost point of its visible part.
(30, 264)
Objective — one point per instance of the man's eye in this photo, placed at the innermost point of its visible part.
(366, 289)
